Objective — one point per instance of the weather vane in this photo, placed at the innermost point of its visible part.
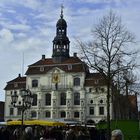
(62, 7)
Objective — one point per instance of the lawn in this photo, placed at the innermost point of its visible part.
(130, 128)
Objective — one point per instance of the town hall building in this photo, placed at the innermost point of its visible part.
(62, 86)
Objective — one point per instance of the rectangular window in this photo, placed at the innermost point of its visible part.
(90, 89)
(76, 81)
(76, 98)
(33, 114)
(101, 110)
(34, 100)
(11, 111)
(48, 99)
(34, 83)
(76, 114)
(63, 114)
(48, 114)
(91, 110)
(63, 99)
(19, 111)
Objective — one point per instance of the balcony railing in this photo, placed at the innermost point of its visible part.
(53, 87)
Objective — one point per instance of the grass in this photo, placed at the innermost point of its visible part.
(130, 128)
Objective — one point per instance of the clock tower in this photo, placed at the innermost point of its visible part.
(61, 41)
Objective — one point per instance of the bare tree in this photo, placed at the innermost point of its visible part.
(109, 45)
(123, 80)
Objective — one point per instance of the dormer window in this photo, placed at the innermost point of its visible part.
(69, 67)
(96, 81)
(15, 85)
(41, 69)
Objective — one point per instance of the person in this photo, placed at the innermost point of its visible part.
(16, 134)
(5, 134)
(70, 135)
(81, 136)
(28, 134)
(117, 135)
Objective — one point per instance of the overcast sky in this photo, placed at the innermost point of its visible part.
(28, 27)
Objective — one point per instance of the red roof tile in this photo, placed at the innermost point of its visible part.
(49, 61)
(94, 79)
(17, 83)
(76, 66)
(18, 79)
(94, 76)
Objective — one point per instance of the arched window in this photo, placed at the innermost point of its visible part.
(76, 98)
(62, 114)
(63, 99)
(76, 81)
(33, 114)
(48, 114)
(48, 99)
(34, 100)
(34, 83)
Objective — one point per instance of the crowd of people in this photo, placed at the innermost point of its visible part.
(50, 133)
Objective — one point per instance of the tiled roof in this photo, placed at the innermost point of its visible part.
(133, 100)
(18, 80)
(72, 64)
(17, 83)
(12, 86)
(49, 61)
(94, 76)
(94, 79)
(76, 66)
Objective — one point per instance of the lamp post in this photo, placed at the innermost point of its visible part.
(26, 103)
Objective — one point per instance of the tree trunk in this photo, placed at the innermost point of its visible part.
(108, 109)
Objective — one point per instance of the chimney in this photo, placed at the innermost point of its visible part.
(43, 57)
(74, 54)
(19, 75)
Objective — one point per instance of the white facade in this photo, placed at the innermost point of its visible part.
(91, 103)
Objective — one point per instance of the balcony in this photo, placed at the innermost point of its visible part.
(53, 87)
